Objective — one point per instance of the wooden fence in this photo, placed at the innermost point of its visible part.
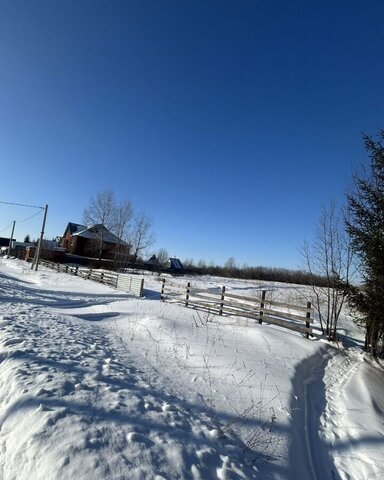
(120, 281)
(262, 309)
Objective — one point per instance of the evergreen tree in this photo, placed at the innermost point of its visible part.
(27, 238)
(365, 225)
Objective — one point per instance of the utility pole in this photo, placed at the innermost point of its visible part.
(37, 256)
(10, 240)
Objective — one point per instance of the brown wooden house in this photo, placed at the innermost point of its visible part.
(95, 241)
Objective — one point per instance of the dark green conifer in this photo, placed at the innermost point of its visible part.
(365, 225)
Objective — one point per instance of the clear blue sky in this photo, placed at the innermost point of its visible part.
(230, 123)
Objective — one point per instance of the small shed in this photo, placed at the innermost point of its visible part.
(175, 266)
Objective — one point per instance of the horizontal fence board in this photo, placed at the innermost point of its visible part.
(204, 294)
(207, 304)
(211, 308)
(180, 291)
(173, 286)
(243, 313)
(177, 300)
(291, 316)
(246, 306)
(243, 298)
(286, 324)
(173, 295)
(289, 305)
(199, 295)
(204, 290)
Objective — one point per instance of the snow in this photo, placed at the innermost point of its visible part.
(97, 384)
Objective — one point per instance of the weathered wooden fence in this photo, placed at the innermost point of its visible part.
(124, 282)
(262, 308)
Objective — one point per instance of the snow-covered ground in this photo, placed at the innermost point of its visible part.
(98, 385)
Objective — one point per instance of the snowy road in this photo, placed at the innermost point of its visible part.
(353, 420)
(309, 454)
(75, 405)
(97, 385)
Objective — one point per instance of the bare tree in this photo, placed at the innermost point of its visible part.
(100, 213)
(101, 209)
(122, 218)
(162, 257)
(202, 265)
(330, 257)
(230, 267)
(142, 235)
(189, 263)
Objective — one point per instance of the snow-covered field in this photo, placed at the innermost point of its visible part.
(99, 385)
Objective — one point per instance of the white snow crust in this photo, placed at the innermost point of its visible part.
(96, 384)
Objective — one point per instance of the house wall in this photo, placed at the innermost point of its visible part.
(87, 247)
(66, 240)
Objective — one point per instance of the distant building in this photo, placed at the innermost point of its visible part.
(50, 250)
(4, 242)
(175, 266)
(152, 264)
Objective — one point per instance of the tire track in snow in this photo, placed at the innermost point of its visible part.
(352, 420)
(309, 453)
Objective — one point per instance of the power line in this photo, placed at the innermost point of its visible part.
(21, 205)
(6, 228)
(21, 221)
(29, 218)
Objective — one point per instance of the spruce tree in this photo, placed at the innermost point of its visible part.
(365, 225)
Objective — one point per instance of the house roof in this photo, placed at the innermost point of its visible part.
(74, 227)
(152, 261)
(176, 264)
(94, 232)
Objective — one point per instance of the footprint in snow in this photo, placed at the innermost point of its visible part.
(136, 437)
(167, 407)
(43, 391)
(12, 341)
(66, 388)
(5, 323)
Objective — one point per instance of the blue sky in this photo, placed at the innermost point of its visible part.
(230, 123)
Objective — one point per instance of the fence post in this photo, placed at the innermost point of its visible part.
(222, 300)
(101, 277)
(262, 304)
(307, 324)
(187, 294)
(66, 269)
(162, 290)
(76, 270)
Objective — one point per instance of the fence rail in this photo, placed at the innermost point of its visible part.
(294, 317)
(124, 282)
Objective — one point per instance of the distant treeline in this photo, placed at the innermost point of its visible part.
(270, 274)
